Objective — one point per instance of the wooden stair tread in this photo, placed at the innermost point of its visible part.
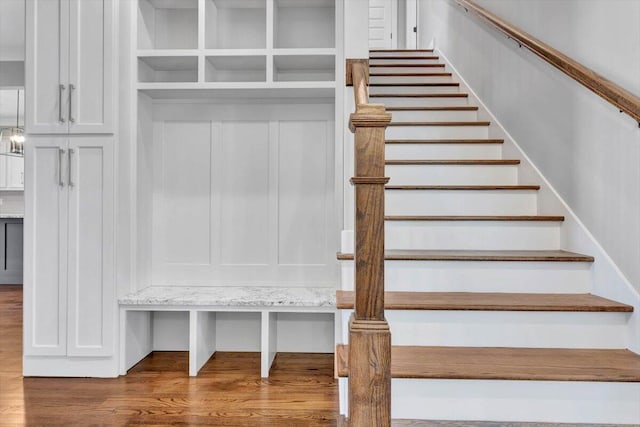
(438, 124)
(401, 50)
(477, 255)
(532, 218)
(403, 57)
(463, 187)
(468, 301)
(444, 141)
(503, 363)
(419, 95)
(407, 65)
(417, 84)
(443, 108)
(410, 74)
(454, 162)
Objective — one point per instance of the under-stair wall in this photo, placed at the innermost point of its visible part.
(585, 148)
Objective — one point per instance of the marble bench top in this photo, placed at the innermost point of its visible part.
(236, 296)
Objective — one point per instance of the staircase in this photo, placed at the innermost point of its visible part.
(490, 318)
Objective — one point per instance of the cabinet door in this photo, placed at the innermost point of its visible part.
(47, 66)
(91, 66)
(3, 171)
(45, 240)
(91, 288)
(15, 173)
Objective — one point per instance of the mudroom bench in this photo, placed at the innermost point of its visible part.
(202, 304)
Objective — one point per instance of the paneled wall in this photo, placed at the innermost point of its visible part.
(241, 194)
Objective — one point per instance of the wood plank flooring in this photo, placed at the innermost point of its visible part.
(228, 391)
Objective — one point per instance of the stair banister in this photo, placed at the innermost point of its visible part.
(621, 98)
(369, 335)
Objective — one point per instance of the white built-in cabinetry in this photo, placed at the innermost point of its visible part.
(236, 44)
(69, 66)
(235, 157)
(69, 284)
(69, 292)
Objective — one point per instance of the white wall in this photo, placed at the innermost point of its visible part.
(12, 20)
(587, 150)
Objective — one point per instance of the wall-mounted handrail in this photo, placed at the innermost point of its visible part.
(369, 336)
(624, 100)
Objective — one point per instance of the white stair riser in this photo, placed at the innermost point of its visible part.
(481, 276)
(413, 89)
(433, 116)
(420, 102)
(513, 401)
(403, 61)
(452, 174)
(408, 69)
(443, 151)
(504, 328)
(460, 202)
(472, 235)
(411, 79)
(437, 132)
(410, 53)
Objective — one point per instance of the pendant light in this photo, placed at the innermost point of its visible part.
(16, 140)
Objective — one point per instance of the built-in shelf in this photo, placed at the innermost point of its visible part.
(290, 68)
(235, 24)
(167, 69)
(239, 90)
(236, 69)
(304, 24)
(218, 44)
(167, 24)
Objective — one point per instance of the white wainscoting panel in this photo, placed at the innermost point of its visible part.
(186, 184)
(304, 192)
(243, 194)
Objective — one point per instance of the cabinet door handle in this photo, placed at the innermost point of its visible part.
(71, 89)
(61, 89)
(70, 180)
(60, 154)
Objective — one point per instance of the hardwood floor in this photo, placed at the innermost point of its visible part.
(158, 392)
(228, 391)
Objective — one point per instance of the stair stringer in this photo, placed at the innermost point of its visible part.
(607, 280)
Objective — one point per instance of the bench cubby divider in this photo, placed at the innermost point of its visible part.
(136, 321)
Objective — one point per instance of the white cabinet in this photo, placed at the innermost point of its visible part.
(69, 300)
(15, 173)
(69, 66)
(11, 169)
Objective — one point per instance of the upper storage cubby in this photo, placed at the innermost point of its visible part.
(295, 68)
(167, 24)
(236, 69)
(304, 24)
(236, 24)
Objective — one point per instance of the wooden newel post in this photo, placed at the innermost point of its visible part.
(369, 336)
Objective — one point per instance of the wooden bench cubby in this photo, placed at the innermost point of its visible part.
(203, 305)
